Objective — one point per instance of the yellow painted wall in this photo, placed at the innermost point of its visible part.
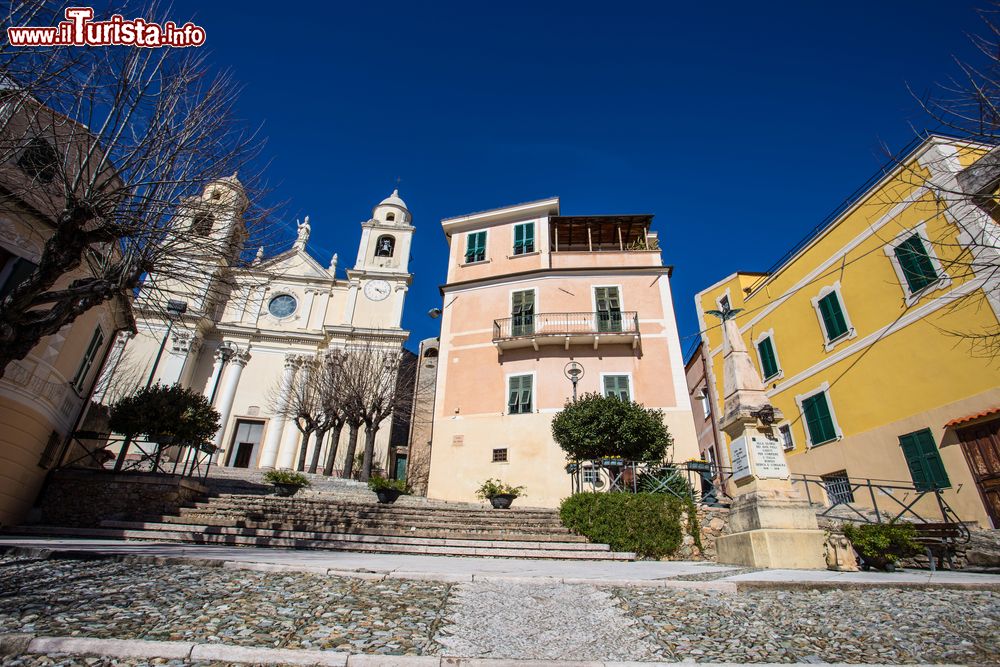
(883, 383)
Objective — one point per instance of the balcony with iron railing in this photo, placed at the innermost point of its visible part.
(566, 329)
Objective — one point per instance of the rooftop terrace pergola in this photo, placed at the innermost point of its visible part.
(598, 233)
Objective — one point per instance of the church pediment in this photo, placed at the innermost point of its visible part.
(293, 264)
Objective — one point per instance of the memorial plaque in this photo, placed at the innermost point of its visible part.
(767, 458)
(741, 459)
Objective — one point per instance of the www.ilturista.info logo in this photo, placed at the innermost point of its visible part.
(79, 29)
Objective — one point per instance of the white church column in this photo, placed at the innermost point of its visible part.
(397, 308)
(177, 366)
(222, 355)
(269, 454)
(352, 300)
(291, 436)
(227, 393)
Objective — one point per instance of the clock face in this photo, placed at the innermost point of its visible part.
(376, 290)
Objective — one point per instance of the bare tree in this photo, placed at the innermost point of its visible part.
(302, 404)
(331, 412)
(374, 377)
(966, 107)
(106, 146)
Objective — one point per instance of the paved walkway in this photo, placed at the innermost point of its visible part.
(677, 574)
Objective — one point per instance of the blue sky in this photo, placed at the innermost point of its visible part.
(740, 126)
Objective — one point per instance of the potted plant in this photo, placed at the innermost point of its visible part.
(699, 465)
(881, 545)
(388, 490)
(499, 494)
(286, 483)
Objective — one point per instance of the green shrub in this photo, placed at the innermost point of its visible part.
(380, 483)
(882, 541)
(648, 524)
(494, 487)
(598, 426)
(158, 412)
(285, 477)
(666, 480)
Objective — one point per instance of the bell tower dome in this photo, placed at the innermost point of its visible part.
(385, 238)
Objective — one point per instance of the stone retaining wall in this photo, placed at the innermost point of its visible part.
(711, 522)
(84, 498)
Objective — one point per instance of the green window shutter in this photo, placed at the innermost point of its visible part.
(523, 312)
(617, 386)
(524, 238)
(924, 460)
(833, 316)
(819, 422)
(609, 313)
(768, 360)
(916, 263)
(514, 395)
(475, 249)
(525, 393)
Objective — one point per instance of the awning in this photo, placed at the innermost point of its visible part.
(973, 417)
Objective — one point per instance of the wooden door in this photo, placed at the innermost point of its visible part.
(981, 444)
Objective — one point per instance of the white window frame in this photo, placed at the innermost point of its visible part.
(799, 398)
(269, 299)
(791, 434)
(627, 374)
(760, 360)
(851, 331)
(593, 297)
(706, 402)
(729, 299)
(534, 393)
(513, 238)
(80, 381)
(465, 247)
(943, 280)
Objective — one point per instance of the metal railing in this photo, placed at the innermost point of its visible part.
(859, 500)
(566, 324)
(88, 449)
(704, 483)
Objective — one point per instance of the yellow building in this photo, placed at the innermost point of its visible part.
(856, 334)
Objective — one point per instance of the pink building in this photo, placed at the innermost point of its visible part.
(528, 291)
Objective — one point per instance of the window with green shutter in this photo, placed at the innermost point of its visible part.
(475, 248)
(924, 460)
(519, 394)
(832, 312)
(818, 418)
(524, 238)
(916, 263)
(617, 386)
(768, 360)
(522, 318)
(609, 309)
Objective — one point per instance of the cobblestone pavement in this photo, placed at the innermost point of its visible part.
(108, 599)
(876, 626)
(82, 661)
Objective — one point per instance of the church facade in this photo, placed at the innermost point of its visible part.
(246, 331)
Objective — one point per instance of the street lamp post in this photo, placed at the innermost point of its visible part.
(174, 309)
(574, 371)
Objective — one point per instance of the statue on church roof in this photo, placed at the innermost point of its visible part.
(333, 265)
(259, 256)
(304, 228)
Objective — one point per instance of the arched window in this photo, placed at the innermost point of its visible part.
(390, 216)
(431, 353)
(202, 224)
(385, 246)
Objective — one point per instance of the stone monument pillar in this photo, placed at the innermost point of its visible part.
(770, 525)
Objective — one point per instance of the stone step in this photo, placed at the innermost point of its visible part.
(243, 503)
(324, 536)
(401, 518)
(236, 540)
(371, 527)
(314, 501)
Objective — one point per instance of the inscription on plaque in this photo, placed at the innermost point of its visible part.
(768, 458)
(741, 459)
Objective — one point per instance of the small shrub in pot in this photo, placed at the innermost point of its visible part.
(388, 490)
(500, 494)
(286, 483)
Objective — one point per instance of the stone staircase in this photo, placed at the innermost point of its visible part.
(343, 515)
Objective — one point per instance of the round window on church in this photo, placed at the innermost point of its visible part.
(282, 305)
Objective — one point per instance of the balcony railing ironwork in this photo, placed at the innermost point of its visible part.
(566, 324)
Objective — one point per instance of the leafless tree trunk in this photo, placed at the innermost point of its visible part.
(107, 146)
(353, 425)
(331, 455)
